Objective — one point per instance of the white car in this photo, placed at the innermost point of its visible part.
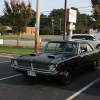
(92, 39)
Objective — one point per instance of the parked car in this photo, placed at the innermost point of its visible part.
(58, 58)
(92, 39)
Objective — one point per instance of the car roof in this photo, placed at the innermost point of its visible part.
(72, 40)
(83, 35)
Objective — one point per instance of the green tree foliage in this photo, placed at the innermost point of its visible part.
(19, 15)
(58, 17)
(2, 29)
(79, 29)
(95, 14)
(33, 20)
(4, 20)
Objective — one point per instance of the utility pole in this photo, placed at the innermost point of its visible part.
(37, 25)
(60, 25)
(52, 26)
(65, 17)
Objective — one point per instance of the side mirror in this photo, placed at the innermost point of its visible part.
(82, 51)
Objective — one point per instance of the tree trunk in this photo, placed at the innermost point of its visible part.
(18, 39)
(20, 36)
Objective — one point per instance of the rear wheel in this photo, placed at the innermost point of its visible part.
(67, 76)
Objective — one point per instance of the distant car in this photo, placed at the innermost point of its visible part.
(92, 39)
(58, 58)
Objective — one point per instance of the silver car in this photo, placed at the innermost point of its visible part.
(92, 39)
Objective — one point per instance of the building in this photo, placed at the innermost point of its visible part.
(29, 31)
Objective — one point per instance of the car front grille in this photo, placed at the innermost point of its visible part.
(40, 66)
(25, 64)
(34, 65)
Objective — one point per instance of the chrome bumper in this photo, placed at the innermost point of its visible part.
(37, 71)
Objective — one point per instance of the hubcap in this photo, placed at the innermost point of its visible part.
(67, 75)
(99, 47)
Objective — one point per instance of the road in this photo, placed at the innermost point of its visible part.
(13, 86)
(22, 43)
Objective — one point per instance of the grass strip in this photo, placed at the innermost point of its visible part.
(17, 50)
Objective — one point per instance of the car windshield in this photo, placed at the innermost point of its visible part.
(97, 37)
(61, 47)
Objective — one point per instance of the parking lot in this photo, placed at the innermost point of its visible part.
(14, 86)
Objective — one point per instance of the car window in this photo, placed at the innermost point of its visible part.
(91, 38)
(89, 48)
(97, 37)
(71, 47)
(83, 47)
(80, 37)
(61, 46)
(53, 46)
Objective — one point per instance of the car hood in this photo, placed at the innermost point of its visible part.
(45, 57)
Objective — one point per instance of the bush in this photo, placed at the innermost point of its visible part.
(2, 30)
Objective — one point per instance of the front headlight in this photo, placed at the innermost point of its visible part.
(15, 62)
(52, 67)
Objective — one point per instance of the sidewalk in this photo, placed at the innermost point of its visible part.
(8, 55)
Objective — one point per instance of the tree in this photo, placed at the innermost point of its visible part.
(58, 16)
(79, 29)
(2, 29)
(95, 14)
(19, 15)
(3, 20)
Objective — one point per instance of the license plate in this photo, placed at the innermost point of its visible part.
(30, 73)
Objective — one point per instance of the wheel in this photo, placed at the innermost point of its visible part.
(67, 76)
(98, 47)
(94, 66)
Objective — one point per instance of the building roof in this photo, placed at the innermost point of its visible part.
(8, 28)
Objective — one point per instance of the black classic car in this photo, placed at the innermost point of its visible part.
(58, 58)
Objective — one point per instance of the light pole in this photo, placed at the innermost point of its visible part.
(52, 26)
(65, 17)
(60, 25)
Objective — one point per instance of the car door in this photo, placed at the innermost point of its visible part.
(84, 56)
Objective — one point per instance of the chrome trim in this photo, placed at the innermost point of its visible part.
(38, 71)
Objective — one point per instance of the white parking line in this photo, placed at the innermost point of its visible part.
(9, 77)
(4, 61)
(83, 89)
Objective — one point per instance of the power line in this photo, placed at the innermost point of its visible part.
(84, 7)
(78, 2)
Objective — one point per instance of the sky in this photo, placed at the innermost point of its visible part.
(84, 6)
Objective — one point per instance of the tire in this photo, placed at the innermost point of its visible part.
(66, 78)
(94, 66)
(98, 47)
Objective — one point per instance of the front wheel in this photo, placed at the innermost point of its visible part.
(98, 47)
(67, 76)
